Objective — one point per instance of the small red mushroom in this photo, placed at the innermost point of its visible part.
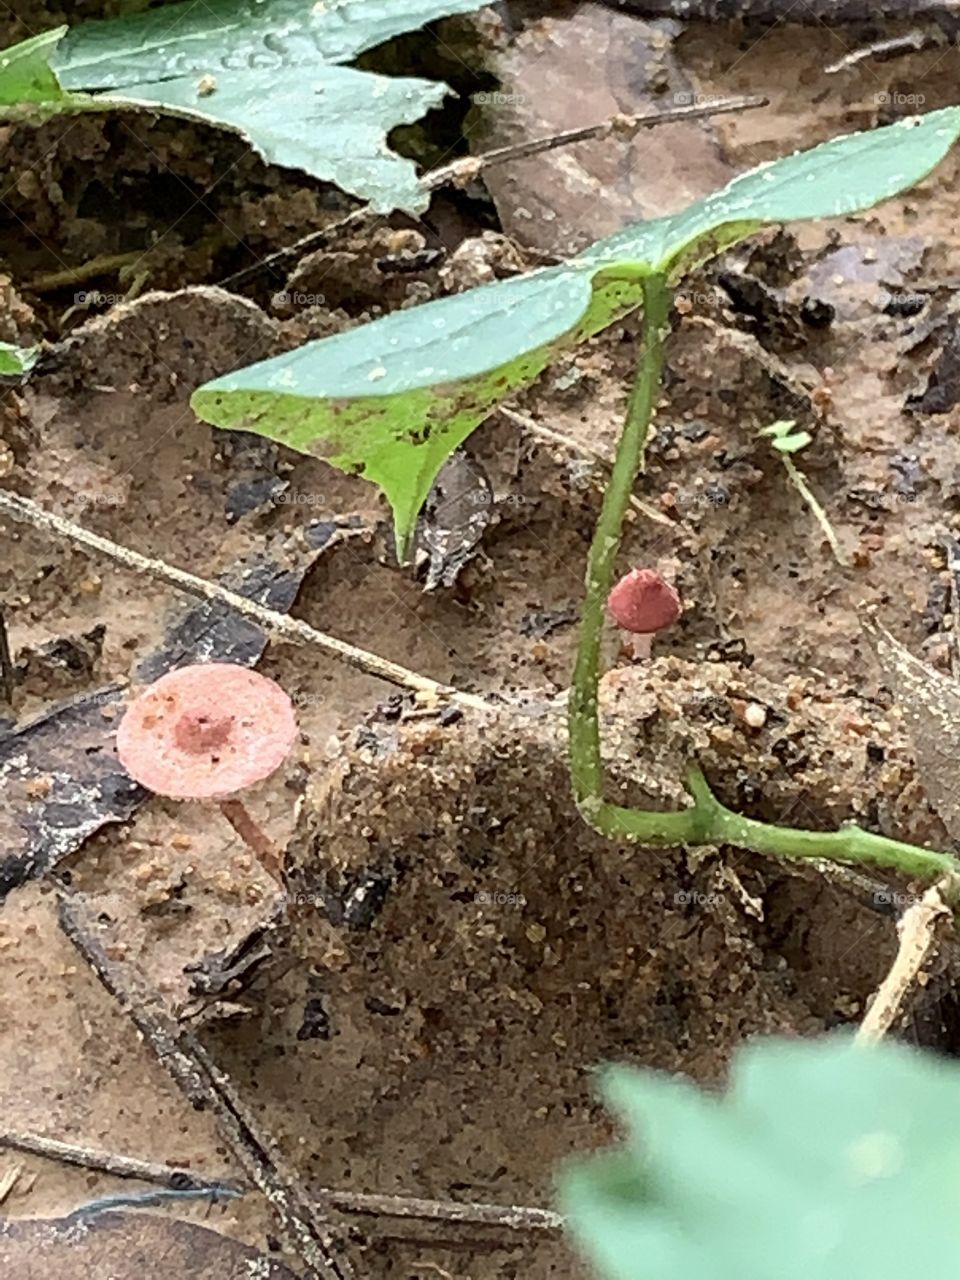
(643, 603)
(208, 731)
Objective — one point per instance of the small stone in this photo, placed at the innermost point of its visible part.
(755, 715)
(181, 841)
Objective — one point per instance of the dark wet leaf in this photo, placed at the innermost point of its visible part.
(124, 1246)
(943, 386)
(458, 509)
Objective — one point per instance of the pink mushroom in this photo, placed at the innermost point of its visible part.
(206, 732)
(643, 603)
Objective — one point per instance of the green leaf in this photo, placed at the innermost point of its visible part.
(777, 430)
(267, 69)
(825, 1161)
(25, 73)
(16, 361)
(391, 400)
(794, 443)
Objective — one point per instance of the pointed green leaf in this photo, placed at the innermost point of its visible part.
(392, 399)
(825, 1161)
(267, 69)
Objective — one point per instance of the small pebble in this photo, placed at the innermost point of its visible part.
(755, 715)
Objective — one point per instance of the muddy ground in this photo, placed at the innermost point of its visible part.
(458, 951)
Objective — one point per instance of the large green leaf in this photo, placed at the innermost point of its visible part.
(392, 399)
(824, 1161)
(269, 69)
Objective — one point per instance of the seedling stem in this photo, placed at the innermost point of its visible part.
(706, 821)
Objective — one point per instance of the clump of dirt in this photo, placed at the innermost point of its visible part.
(468, 950)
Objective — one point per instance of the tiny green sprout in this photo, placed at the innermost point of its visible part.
(786, 441)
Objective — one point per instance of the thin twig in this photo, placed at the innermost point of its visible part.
(180, 1053)
(105, 264)
(917, 929)
(466, 168)
(279, 624)
(473, 1214)
(163, 1175)
(8, 679)
(799, 481)
(468, 1214)
(574, 447)
(896, 46)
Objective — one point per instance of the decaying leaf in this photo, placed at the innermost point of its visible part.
(580, 66)
(127, 1246)
(458, 509)
(930, 705)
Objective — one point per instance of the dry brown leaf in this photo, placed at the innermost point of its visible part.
(930, 705)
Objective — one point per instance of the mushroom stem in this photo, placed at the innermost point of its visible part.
(254, 837)
(640, 644)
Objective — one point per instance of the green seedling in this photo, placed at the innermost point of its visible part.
(391, 400)
(787, 441)
(824, 1160)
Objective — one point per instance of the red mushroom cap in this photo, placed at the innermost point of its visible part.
(206, 730)
(643, 602)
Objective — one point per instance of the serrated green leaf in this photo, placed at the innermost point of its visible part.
(16, 361)
(391, 400)
(267, 69)
(825, 1161)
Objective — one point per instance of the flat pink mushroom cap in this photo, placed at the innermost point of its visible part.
(206, 731)
(643, 602)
